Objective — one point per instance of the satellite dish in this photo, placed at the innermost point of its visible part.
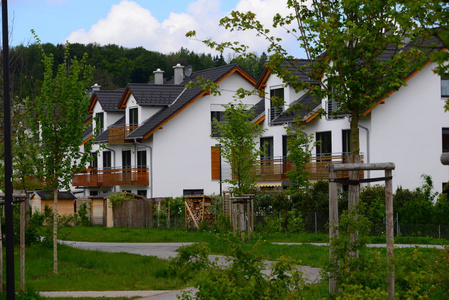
(189, 70)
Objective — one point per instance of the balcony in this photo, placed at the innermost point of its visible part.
(275, 169)
(117, 134)
(112, 176)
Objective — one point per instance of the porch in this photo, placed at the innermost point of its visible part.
(112, 176)
(275, 169)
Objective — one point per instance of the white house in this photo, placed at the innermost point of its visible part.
(155, 139)
(409, 128)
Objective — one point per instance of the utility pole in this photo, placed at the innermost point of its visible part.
(10, 292)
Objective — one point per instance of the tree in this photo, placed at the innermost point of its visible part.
(357, 52)
(237, 136)
(59, 113)
(299, 152)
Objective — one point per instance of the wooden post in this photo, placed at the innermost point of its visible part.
(333, 223)
(389, 231)
(22, 245)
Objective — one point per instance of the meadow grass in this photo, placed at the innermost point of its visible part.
(81, 270)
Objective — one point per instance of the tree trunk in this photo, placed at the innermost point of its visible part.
(354, 176)
(55, 232)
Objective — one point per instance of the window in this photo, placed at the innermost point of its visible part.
(142, 159)
(100, 122)
(219, 117)
(107, 160)
(133, 117)
(346, 141)
(142, 193)
(193, 192)
(266, 146)
(324, 143)
(445, 139)
(93, 193)
(215, 163)
(276, 102)
(94, 161)
(285, 151)
(445, 85)
(126, 159)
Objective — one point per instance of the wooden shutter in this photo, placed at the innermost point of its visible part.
(215, 163)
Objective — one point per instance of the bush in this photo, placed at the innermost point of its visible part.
(240, 278)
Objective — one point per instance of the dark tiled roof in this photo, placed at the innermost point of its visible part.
(155, 94)
(61, 195)
(259, 108)
(109, 100)
(300, 69)
(299, 109)
(104, 136)
(185, 96)
(87, 131)
(157, 119)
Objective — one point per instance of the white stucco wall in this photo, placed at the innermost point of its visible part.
(182, 148)
(407, 130)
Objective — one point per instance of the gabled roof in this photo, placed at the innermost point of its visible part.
(298, 68)
(185, 97)
(108, 99)
(147, 94)
(299, 109)
(49, 195)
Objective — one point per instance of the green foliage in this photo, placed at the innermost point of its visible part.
(252, 63)
(240, 278)
(116, 199)
(57, 119)
(299, 146)
(238, 146)
(83, 215)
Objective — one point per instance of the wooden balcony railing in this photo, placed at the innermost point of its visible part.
(275, 169)
(117, 134)
(113, 176)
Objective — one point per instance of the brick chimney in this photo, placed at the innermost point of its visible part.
(179, 74)
(158, 76)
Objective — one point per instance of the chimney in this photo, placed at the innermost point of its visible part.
(179, 75)
(158, 76)
(95, 88)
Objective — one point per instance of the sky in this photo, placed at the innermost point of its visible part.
(157, 25)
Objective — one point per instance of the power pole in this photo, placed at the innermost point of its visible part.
(10, 292)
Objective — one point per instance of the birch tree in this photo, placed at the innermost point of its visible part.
(59, 113)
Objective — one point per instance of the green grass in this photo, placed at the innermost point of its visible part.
(81, 270)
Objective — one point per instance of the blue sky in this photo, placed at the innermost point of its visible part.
(157, 25)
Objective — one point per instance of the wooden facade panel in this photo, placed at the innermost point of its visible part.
(215, 163)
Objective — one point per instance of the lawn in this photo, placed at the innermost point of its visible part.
(81, 270)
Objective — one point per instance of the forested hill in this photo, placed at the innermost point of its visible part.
(115, 66)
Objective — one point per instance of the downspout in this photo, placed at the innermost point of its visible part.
(151, 165)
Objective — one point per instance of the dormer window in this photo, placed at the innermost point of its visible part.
(133, 117)
(276, 102)
(445, 86)
(100, 122)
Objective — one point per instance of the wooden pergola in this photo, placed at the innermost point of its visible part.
(333, 211)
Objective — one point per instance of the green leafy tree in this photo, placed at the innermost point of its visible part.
(58, 115)
(238, 146)
(299, 146)
(355, 48)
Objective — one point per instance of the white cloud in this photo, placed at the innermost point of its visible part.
(130, 25)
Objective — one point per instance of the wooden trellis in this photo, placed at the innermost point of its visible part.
(333, 212)
(197, 210)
